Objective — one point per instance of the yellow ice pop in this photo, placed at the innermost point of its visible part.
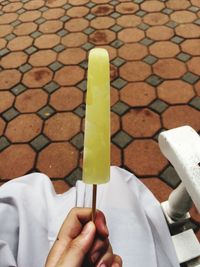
(96, 156)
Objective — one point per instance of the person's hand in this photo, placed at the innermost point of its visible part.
(83, 243)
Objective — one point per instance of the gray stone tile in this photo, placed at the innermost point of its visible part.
(121, 139)
(140, 13)
(143, 26)
(195, 102)
(4, 52)
(120, 108)
(18, 89)
(40, 142)
(20, 11)
(40, 21)
(43, 9)
(117, 43)
(55, 66)
(138, 1)
(51, 87)
(82, 85)
(10, 114)
(77, 141)
(36, 34)
(16, 23)
(66, 6)
(115, 15)
(90, 4)
(114, 2)
(65, 18)
(116, 28)
(84, 64)
(74, 176)
(150, 59)
(31, 50)
(190, 77)
(90, 16)
(193, 9)
(46, 112)
(118, 61)
(177, 39)
(183, 57)
(3, 143)
(146, 41)
(171, 24)
(159, 106)
(87, 46)
(170, 177)
(119, 83)
(89, 30)
(59, 48)
(197, 21)
(167, 11)
(154, 80)
(80, 111)
(24, 68)
(10, 37)
(62, 32)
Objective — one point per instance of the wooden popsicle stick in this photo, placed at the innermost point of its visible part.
(94, 199)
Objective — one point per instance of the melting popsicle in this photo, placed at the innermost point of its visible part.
(96, 156)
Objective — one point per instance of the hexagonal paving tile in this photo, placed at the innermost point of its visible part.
(115, 123)
(74, 39)
(102, 10)
(53, 13)
(20, 43)
(169, 68)
(9, 78)
(148, 122)
(193, 65)
(47, 41)
(51, 26)
(6, 100)
(76, 24)
(177, 116)
(138, 94)
(69, 75)
(2, 126)
(115, 155)
(191, 47)
(164, 49)
(152, 6)
(188, 30)
(57, 160)
(66, 98)
(131, 35)
(37, 77)
(175, 92)
(72, 56)
(159, 33)
(16, 160)
(31, 100)
(42, 58)
(23, 128)
(148, 159)
(13, 60)
(102, 23)
(156, 18)
(133, 51)
(127, 8)
(183, 16)
(128, 20)
(135, 71)
(173, 4)
(102, 37)
(62, 126)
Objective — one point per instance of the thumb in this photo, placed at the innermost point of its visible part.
(78, 248)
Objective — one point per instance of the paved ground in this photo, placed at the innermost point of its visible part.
(154, 49)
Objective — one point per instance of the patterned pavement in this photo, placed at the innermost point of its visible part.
(154, 50)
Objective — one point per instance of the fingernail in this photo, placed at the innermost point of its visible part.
(95, 256)
(116, 264)
(103, 265)
(87, 228)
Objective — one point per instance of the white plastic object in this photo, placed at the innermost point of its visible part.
(181, 146)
